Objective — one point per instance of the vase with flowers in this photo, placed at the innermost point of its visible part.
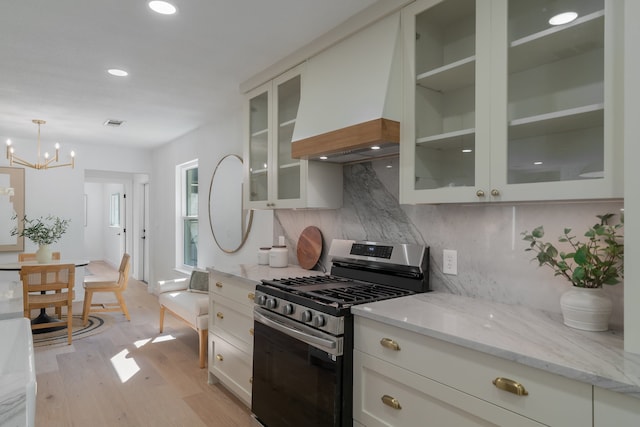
(588, 265)
(42, 231)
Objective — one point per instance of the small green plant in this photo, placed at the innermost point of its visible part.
(597, 261)
(43, 230)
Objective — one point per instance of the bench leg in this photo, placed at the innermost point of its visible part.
(161, 318)
(202, 333)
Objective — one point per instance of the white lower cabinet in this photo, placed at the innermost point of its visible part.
(231, 333)
(614, 409)
(403, 378)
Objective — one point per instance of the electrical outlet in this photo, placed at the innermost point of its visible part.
(450, 261)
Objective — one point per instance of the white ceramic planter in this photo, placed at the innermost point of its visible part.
(43, 254)
(588, 309)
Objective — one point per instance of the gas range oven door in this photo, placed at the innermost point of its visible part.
(297, 374)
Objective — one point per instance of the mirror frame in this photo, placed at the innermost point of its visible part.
(245, 234)
(16, 181)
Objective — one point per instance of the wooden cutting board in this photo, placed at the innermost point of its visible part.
(309, 247)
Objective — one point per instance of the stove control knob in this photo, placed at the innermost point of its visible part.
(288, 309)
(261, 300)
(319, 321)
(272, 303)
(306, 316)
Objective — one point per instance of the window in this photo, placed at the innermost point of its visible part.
(187, 230)
(114, 210)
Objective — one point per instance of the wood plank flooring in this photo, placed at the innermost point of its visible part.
(131, 375)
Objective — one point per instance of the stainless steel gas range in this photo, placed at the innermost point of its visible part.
(303, 331)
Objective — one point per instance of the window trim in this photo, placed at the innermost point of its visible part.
(181, 214)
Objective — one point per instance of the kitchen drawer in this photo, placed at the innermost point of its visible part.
(233, 322)
(551, 399)
(420, 401)
(231, 366)
(232, 287)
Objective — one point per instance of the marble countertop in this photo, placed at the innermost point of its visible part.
(531, 337)
(257, 272)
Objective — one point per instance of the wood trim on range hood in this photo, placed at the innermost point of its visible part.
(356, 137)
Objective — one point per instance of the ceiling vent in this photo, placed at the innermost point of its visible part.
(113, 123)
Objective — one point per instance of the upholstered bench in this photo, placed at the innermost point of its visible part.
(188, 300)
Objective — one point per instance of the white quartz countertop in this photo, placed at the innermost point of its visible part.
(531, 337)
(257, 272)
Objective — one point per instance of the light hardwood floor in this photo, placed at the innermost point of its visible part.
(131, 375)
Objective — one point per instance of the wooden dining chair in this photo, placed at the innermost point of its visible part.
(92, 285)
(37, 280)
(31, 256)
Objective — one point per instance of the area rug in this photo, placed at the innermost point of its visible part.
(95, 325)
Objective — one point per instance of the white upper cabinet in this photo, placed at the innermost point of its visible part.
(273, 179)
(502, 105)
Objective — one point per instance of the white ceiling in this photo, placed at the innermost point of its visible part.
(183, 69)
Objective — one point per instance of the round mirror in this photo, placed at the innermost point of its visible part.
(230, 223)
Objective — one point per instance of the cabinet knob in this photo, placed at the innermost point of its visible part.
(218, 284)
(391, 401)
(495, 193)
(251, 296)
(219, 357)
(250, 380)
(220, 315)
(390, 344)
(480, 193)
(511, 386)
(251, 331)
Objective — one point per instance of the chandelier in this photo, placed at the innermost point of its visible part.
(46, 163)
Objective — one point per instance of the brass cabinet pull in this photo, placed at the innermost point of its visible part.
(511, 386)
(219, 357)
(218, 284)
(495, 193)
(391, 401)
(251, 296)
(390, 344)
(251, 331)
(480, 193)
(220, 315)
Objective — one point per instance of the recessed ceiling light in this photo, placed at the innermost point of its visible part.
(375, 147)
(323, 157)
(467, 150)
(563, 18)
(117, 72)
(537, 163)
(162, 7)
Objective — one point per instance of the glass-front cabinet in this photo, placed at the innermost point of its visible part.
(273, 179)
(506, 101)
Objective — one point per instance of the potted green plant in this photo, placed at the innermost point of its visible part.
(588, 265)
(42, 231)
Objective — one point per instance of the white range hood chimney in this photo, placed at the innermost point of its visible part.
(351, 97)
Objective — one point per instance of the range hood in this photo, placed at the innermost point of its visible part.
(351, 98)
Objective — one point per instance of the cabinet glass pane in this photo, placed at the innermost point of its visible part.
(288, 168)
(258, 146)
(555, 91)
(445, 95)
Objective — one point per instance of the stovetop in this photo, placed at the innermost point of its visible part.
(336, 291)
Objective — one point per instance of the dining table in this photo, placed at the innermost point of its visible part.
(43, 317)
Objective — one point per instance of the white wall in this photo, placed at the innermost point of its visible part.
(61, 192)
(207, 144)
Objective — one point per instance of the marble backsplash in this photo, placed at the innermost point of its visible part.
(492, 262)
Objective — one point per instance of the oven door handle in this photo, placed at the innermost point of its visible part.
(294, 332)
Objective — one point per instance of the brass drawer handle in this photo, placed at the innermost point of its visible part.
(391, 401)
(511, 386)
(251, 331)
(219, 357)
(218, 284)
(251, 296)
(480, 193)
(220, 315)
(390, 344)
